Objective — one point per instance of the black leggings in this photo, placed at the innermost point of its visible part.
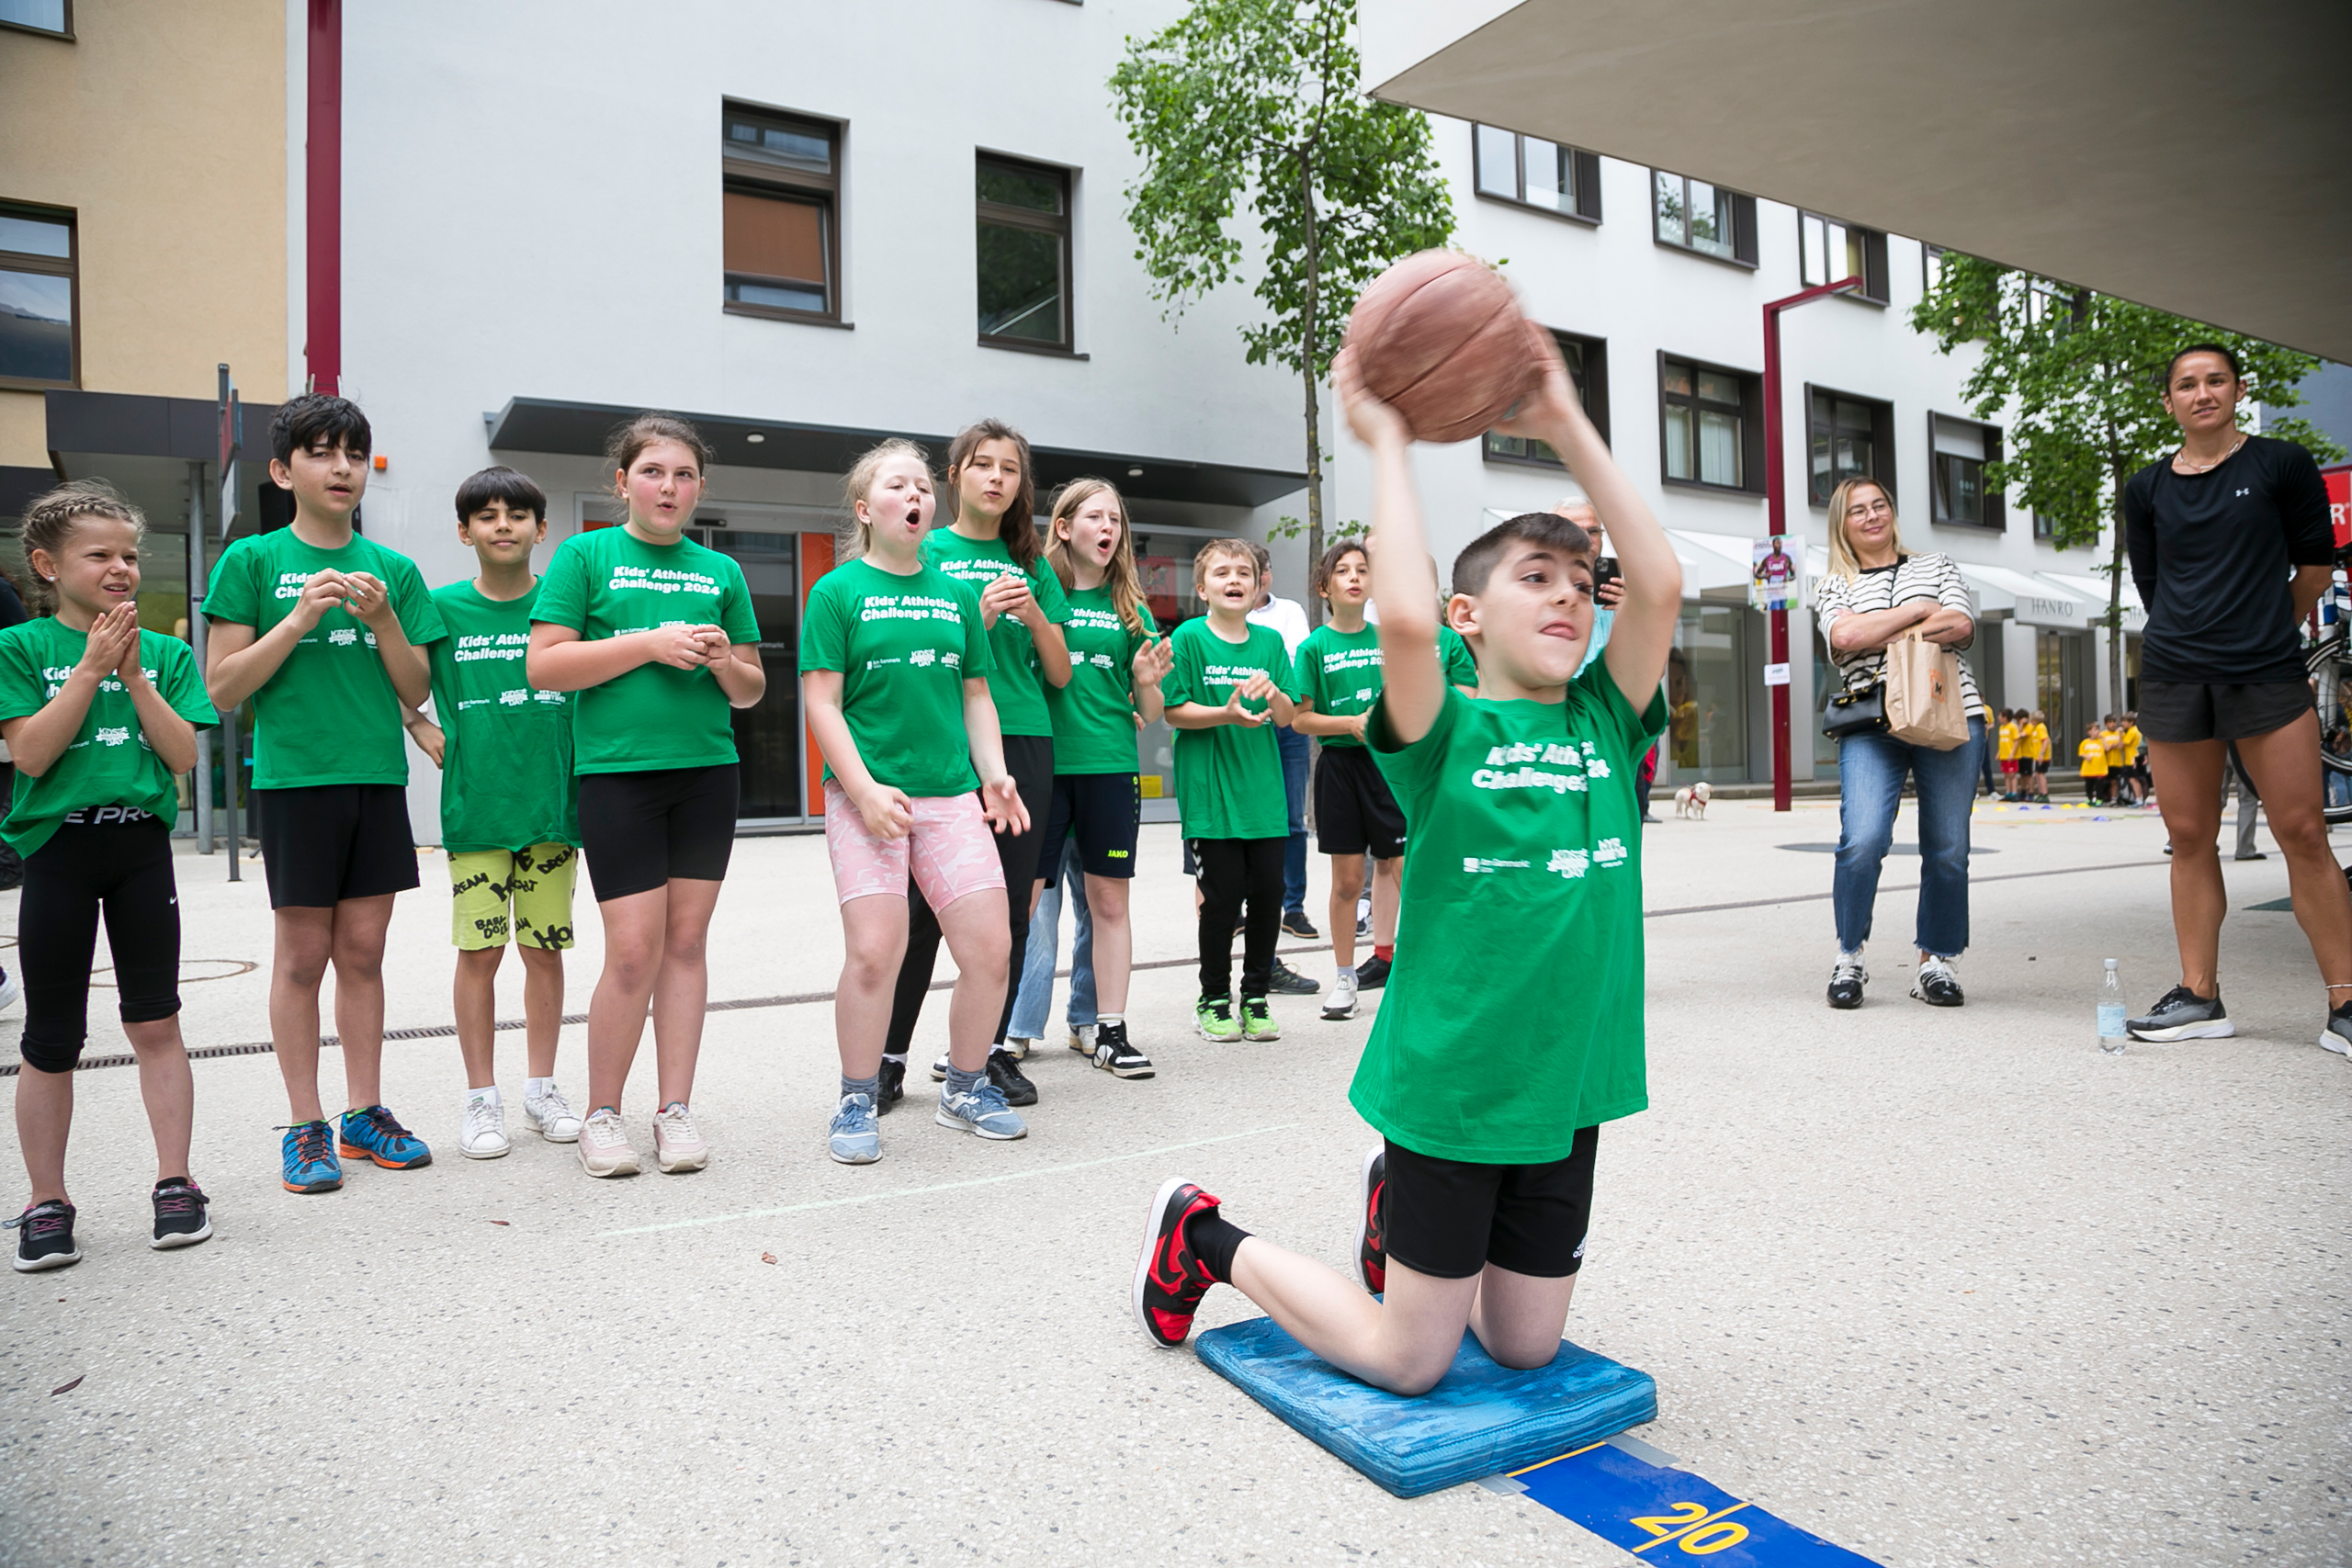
(1030, 760)
(1234, 871)
(123, 865)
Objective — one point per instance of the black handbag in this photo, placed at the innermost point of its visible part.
(1859, 712)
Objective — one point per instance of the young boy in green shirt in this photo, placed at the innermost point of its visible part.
(510, 811)
(326, 631)
(1231, 683)
(1488, 1087)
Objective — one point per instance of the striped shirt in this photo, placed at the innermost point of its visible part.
(1882, 588)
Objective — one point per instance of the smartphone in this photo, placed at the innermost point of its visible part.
(1604, 572)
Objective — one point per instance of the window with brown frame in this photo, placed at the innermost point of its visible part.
(1526, 171)
(1830, 252)
(1710, 425)
(1846, 438)
(40, 342)
(1705, 220)
(1587, 362)
(781, 211)
(1023, 255)
(52, 18)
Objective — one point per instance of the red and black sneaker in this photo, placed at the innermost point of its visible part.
(1169, 1278)
(1372, 1235)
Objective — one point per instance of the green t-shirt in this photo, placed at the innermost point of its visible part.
(1015, 681)
(1453, 652)
(1094, 715)
(1228, 778)
(507, 779)
(330, 715)
(109, 762)
(1524, 833)
(904, 646)
(609, 583)
(1339, 673)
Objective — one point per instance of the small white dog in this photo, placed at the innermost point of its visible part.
(1691, 800)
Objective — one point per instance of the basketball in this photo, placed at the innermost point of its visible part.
(1439, 338)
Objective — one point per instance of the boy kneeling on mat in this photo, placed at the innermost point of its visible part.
(1488, 1091)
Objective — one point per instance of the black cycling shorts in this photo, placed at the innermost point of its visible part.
(2177, 712)
(1450, 1218)
(1103, 812)
(324, 844)
(1355, 811)
(638, 830)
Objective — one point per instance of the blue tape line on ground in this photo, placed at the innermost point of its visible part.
(1672, 1516)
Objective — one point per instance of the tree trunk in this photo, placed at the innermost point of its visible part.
(1307, 357)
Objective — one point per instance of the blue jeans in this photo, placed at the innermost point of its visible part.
(1035, 999)
(1870, 769)
(1294, 757)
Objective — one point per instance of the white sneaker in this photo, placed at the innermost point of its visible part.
(939, 1069)
(551, 1116)
(1017, 1046)
(605, 1149)
(676, 1145)
(12, 991)
(482, 1134)
(1341, 1002)
(1082, 1037)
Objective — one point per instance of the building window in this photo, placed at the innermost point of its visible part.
(1712, 424)
(1530, 172)
(1959, 449)
(1833, 251)
(1695, 216)
(1023, 255)
(2044, 527)
(54, 18)
(1707, 674)
(781, 215)
(38, 341)
(1847, 438)
(1587, 362)
(1932, 267)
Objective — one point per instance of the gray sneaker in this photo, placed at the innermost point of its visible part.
(855, 1137)
(2184, 1015)
(980, 1110)
(2337, 1035)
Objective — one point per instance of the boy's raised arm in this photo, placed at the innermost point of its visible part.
(1403, 584)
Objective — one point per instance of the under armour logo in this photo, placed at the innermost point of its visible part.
(2248, 491)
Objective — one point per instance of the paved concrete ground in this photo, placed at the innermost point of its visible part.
(1944, 1287)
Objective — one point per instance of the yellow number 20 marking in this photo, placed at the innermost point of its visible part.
(1693, 1529)
(1724, 1533)
(1663, 1525)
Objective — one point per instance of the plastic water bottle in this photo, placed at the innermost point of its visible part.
(2112, 1035)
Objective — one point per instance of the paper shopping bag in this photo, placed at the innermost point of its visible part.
(1923, 700)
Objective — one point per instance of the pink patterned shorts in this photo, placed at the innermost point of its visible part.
(950, 850)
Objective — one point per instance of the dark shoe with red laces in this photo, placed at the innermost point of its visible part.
(1372, 1235)
(1169, 1278)
(45, 1236)
(182, 1217)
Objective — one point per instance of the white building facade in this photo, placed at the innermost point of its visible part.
(809, 227)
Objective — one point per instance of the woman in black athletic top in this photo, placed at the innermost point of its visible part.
(2230, 547)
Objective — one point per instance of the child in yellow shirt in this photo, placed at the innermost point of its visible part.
(2005, 754)
(2034, 744)
(2093, 752)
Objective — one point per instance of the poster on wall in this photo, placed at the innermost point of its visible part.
(1777, 579)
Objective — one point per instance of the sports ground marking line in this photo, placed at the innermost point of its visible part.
(804, 999)
(945, 1186)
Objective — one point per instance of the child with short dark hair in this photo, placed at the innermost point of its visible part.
(1487, 1085)
(99, 715)
(2092, 754)
(510, 813)
(1230, 683)
(326, 631)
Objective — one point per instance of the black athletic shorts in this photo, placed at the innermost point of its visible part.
(324, 844)
(1104, 811)
(1450, 1218)
(1355, 811)
(638, 830)
(2181, 711)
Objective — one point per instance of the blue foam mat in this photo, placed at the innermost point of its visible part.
(1482, 1419)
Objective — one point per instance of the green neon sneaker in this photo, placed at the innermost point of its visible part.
(1257, 1020)
(1213, 1017)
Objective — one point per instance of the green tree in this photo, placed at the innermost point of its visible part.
(2082, 372)
(1254, 103)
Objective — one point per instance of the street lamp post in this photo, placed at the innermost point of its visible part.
(1775, 486)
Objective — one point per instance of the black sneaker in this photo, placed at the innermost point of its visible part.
(2184, 1015)
(1937, 985)
(1289, 982)
(1004, 1071)
(1846, 981)
(1169, 1279)
(893, 1087)
(180, 1217)
(2337, 1035)
(1372, 1235)
(44, 1236)
(1372, 974)
(1115, 1056)
(1295, 922)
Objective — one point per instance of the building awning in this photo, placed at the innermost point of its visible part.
(2046, 136)
(552, 425)
(142, 445)
(2056, 600)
